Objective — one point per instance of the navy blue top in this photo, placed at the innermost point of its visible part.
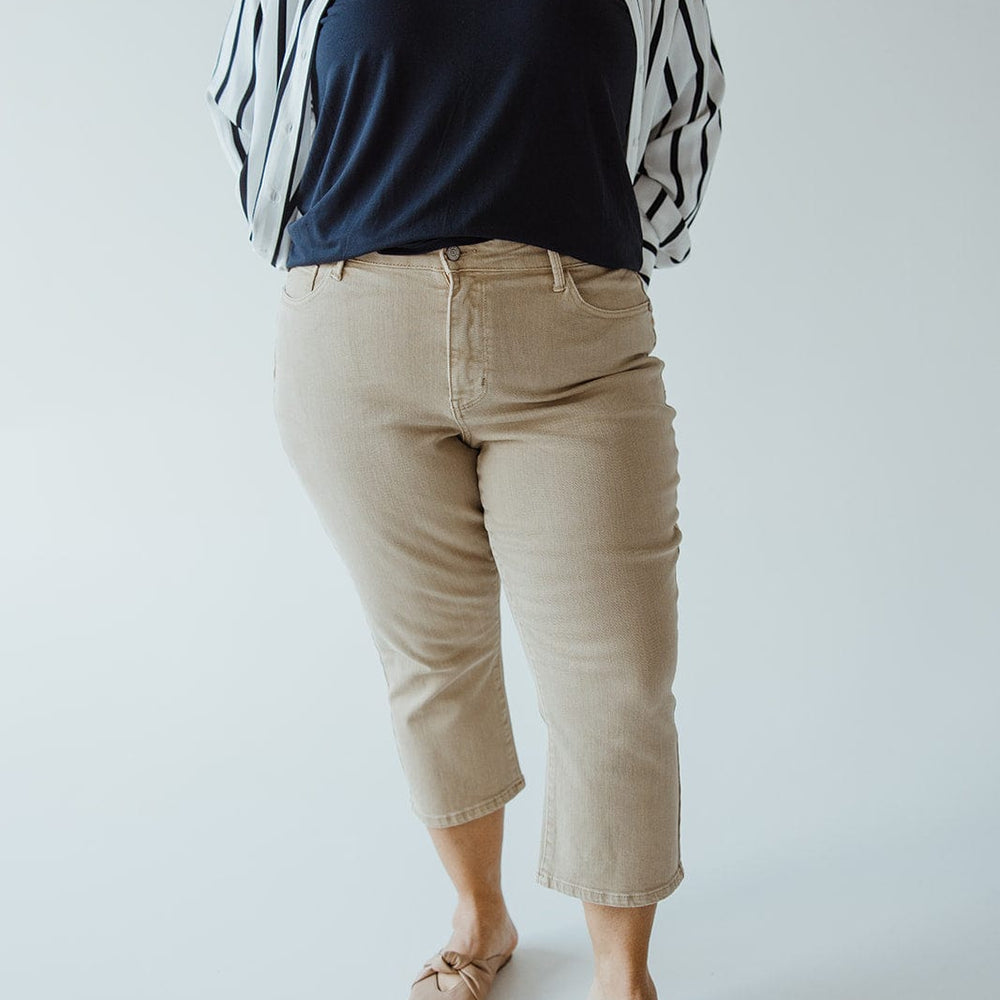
(445, 122)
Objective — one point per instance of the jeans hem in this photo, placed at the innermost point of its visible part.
(611, 898)
(473, 812)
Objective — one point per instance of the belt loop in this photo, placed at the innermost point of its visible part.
(338, 269)
(558, 279)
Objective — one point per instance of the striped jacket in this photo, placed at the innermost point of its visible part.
(259, 100)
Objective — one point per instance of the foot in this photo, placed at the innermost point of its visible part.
(480, 934)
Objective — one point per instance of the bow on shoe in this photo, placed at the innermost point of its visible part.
(475, 973)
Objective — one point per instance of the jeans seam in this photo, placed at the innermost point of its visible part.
(486, 269)
(474, 811)
(501, 690)
(483, 385)
(639, 898)
(548, 807)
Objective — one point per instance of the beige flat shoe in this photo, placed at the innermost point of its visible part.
(477, 976)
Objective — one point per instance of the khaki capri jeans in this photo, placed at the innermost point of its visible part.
(491, 413)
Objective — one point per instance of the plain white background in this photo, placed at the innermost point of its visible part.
(200, 795)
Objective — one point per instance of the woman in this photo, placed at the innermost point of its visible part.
(469, 200)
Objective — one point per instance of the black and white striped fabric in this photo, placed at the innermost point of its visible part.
(259, 100)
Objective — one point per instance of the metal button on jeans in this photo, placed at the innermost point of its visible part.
(453, 253)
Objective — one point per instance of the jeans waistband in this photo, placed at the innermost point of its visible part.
(492, 254)
(489, 255)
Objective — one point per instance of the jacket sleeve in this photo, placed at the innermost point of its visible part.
(686, 88)
(231, 88)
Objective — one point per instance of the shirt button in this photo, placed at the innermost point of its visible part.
(453, 253)
(289, 127)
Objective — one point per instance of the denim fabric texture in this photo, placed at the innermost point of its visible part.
(491, 415)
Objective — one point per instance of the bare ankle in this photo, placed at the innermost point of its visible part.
(622, 981)
(483, 924)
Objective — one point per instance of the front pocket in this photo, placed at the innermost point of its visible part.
(305, 282)
(605, 291)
